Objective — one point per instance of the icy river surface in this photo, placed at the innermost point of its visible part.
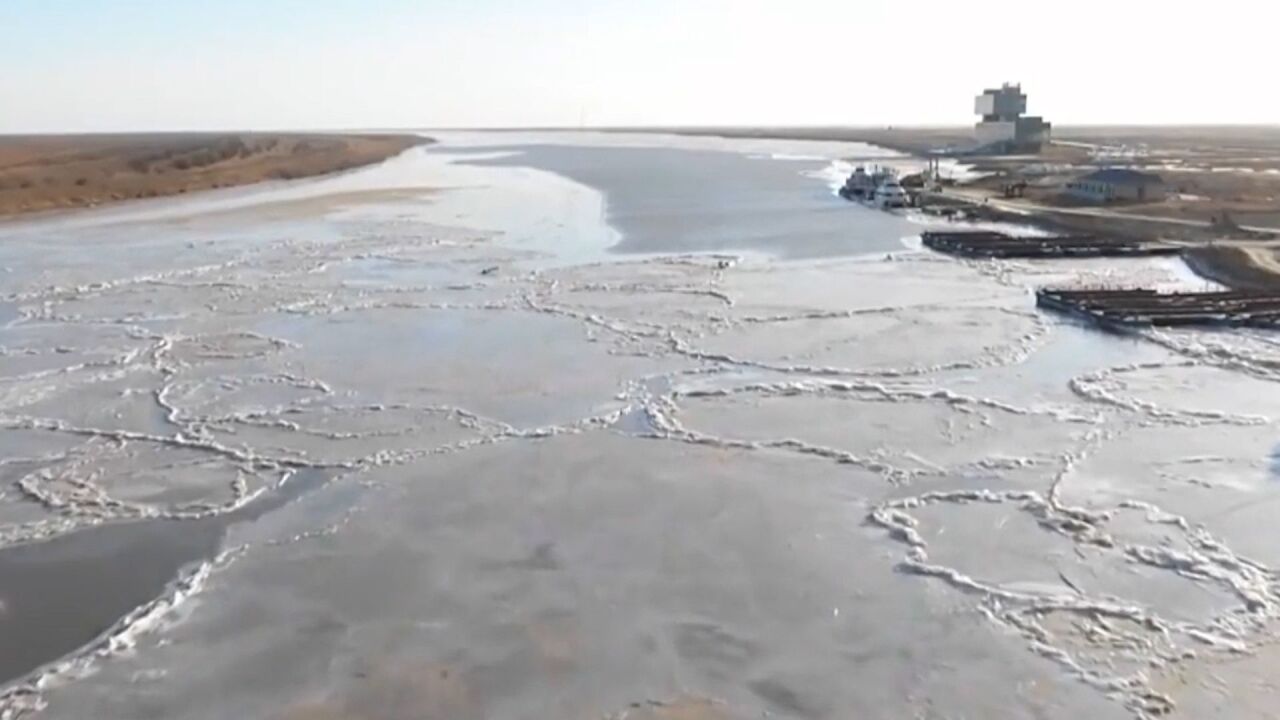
(585, 426)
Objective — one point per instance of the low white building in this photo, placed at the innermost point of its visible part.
(1112, 184)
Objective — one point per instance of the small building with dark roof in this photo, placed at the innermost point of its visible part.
(1112, 184)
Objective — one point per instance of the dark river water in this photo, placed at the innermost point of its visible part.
(679, 200)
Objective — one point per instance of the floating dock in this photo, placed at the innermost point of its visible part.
(1252, 308)
(989, 244)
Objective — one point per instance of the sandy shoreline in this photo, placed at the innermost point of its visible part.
(1237, 267)
(55, 172)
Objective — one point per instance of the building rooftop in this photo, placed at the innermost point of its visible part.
(1007, 87)
(1122, 176)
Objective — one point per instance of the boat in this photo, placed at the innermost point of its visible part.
(878, 186)
(861, 185)
(889, 194)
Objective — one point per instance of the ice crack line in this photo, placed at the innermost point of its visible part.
(1085, 648)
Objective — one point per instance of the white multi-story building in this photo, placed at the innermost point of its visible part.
(1003, 127)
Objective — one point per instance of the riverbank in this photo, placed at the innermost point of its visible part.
(906, 140)
(1238, 267)
(54, 172)
(1211, 172)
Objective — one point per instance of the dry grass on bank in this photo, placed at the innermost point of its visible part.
(49, 172)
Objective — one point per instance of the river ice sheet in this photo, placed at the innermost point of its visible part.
(436, 451)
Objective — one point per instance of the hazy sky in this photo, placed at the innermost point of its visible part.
(79, 65)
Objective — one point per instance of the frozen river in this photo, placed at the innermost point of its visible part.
(606, 426)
